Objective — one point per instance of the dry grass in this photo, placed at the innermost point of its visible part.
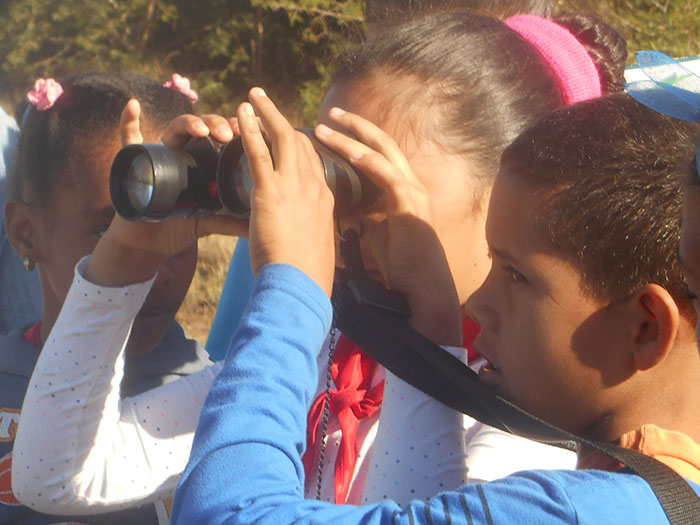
(199, 308)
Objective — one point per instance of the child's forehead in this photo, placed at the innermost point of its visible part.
(513, 218)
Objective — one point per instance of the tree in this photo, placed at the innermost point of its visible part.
(671, 26)
(224, 46)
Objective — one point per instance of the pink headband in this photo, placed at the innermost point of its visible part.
(182, 85)
(45, 93)
(566, 56)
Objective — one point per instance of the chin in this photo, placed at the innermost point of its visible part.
(146, 334)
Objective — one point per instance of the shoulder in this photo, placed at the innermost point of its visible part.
(17, 357)
(587, 496)
(17, 360)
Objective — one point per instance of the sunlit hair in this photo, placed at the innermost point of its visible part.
(467, 82)
(607, 175)
(55, 143)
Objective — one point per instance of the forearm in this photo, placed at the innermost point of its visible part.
(98, 444)
(115, 263)
(246, 459)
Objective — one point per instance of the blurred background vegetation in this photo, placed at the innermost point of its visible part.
(227, 46)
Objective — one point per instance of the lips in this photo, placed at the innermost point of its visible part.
(489, 374)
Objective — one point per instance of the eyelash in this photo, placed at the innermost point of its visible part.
(515, 275)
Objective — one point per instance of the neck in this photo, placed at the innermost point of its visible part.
(50, 309)
(665, 396)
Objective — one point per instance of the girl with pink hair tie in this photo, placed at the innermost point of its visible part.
(57, 209)
(449, 91)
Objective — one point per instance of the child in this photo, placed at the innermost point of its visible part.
(58, 207)
(452, 154)
(583, 309)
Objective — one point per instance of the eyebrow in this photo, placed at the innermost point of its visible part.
(501, 254)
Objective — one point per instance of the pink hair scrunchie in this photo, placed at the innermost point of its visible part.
(45, 93)
(566, 56)
(182, 84)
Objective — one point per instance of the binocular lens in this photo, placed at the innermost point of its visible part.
(152, 182)
(139, 182)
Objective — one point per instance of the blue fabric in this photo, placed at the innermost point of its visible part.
(20, 300)
(246, 465)
(234, 298)
(669, 88)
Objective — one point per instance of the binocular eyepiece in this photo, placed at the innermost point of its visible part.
(153, 182)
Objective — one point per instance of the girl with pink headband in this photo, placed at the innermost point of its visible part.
(450, 91)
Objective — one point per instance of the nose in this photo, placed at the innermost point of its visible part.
(481, 309)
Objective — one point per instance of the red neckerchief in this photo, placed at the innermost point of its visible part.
(353, 399)
(33, 335)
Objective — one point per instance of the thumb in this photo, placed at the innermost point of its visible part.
(129, 124)
(221, 225)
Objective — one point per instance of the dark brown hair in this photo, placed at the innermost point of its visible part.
(482, 82)
(54, 141)
(608, 173)
(388, 11)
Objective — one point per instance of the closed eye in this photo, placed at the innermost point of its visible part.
(514, 274)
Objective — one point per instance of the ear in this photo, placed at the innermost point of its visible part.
(656, 321)
(23, 229)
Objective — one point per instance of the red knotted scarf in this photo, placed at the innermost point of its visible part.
(353, 399)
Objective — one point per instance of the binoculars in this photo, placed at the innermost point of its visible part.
(153, 182)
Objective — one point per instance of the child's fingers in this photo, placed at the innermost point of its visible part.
(280, 132)
(385, 175)
(181, 129)
(372, 136)
(309, 152)
(255, 147)
(219, 127)
(129, 128)
(233, 122)
(221, 225)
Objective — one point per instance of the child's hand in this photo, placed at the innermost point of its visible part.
(404, 244)
(132, 252)
(291, 219)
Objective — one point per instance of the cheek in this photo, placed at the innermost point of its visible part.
(65, 248)
(372, 231)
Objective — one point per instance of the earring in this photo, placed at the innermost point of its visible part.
(28, 264)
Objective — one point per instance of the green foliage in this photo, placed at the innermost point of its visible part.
(227, 46)
(671, 26)
(224, 46)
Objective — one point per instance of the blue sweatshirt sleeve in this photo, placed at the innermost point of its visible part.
(245, 466)
(237, 290)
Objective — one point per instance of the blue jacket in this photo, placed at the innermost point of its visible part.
(246, 465)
